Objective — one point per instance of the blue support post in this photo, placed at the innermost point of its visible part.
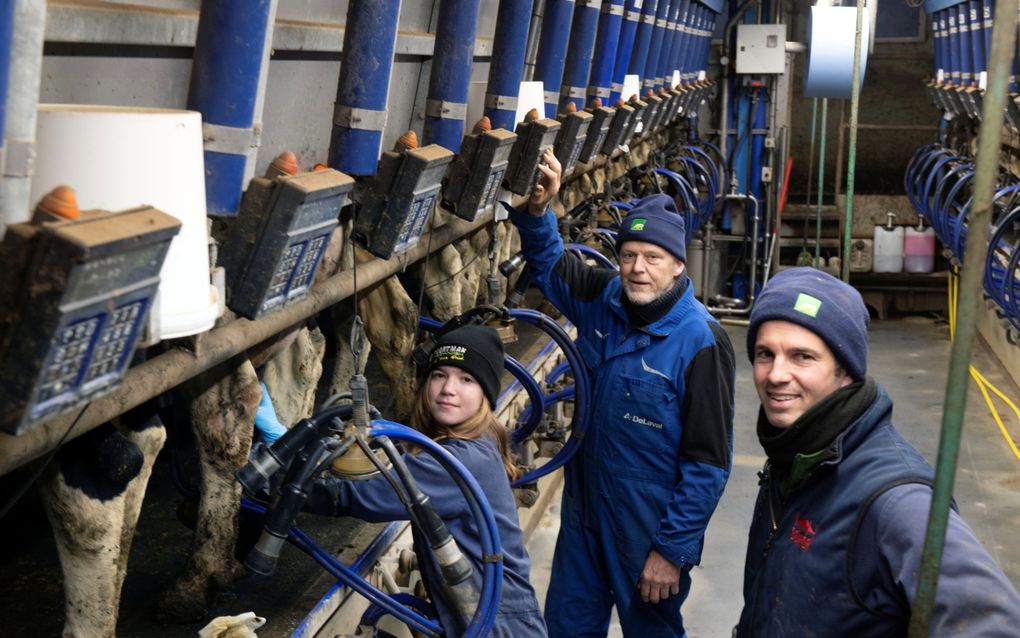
(648, 79)
(6, 34)
(507, 67)
(359, 116)
(454, 52)
(938, 41)
(229, 53)
(625, 48)
(552, 51)
(604, 58)
(689, 72)
(954, 47)
(643, 39)
(684, 39)
(582, 43)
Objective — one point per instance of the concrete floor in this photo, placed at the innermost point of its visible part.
(909, 356)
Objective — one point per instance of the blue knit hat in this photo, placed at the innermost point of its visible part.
(655, 220)
(828, 307)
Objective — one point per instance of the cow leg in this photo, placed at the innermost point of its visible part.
(223, 403)
(84, 497)
(443, 282)
(292, 376)
(146, 431)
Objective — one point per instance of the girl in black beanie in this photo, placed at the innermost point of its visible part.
(454, 408)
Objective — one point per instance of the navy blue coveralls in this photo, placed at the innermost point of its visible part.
(374, 500)
(841, 556)
(653, 466)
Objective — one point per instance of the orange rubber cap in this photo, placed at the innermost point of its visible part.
(61, 201)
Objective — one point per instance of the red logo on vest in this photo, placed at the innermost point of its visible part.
(802, 532)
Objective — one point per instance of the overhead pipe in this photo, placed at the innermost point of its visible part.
(227, 86)
(988, 144)
(359, 115)
(607, 42)
(507, 66)
(642, 40)
(552, 50)
(579, 54)
(625, 47)
(20, 113)
(655, 43)
(453, 55)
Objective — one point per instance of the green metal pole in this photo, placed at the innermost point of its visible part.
(976, 249)
(851, 160)
(811, 158)
(821, 180)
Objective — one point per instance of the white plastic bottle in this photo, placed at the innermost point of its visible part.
(888, 247)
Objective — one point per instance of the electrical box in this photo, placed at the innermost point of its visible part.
(618, 128)
(76, 294)
(399, 199)
(602, 117)
(473, 180)
(573, 133)
(532, 139)
(761, 48)
(274, 246)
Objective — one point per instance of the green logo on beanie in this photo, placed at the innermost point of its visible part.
(638, 224)
(808, 305)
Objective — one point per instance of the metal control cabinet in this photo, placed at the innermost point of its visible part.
(532, 139)
(602, 117)
(77, 294)
(399, 199)
(474, 177)
(761, 48)
(570, 140)
(276, 243)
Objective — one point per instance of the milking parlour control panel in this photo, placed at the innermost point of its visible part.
(399, 199)
(532, 139)
(76, 294)
(640, 109)
(473, 180)
(574, 129)
(275, 245)
(618, 128)
(602, 118)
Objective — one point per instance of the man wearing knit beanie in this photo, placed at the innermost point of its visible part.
(640, 492)
(838, 529)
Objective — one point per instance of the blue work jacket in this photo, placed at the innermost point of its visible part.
(658, 452)
(841, 555)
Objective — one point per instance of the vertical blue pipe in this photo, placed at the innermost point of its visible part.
(963, 26)
(683, 40)
(507, 67)
(582, 43)
(6, 34)
(697, 27)
(690, 43)
(446, 106)
(758, 143)
(954, 47)
(229, 48)
(670, 49)
(706, 41)
(947, 45)
(655, 45)
(977, 39)
(625, 48)
(552, 50)
(370, 37)
(643, 39)
(604, 58)
(937, 41)
(668, 31)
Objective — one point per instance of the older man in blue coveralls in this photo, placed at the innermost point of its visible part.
(651, 470)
